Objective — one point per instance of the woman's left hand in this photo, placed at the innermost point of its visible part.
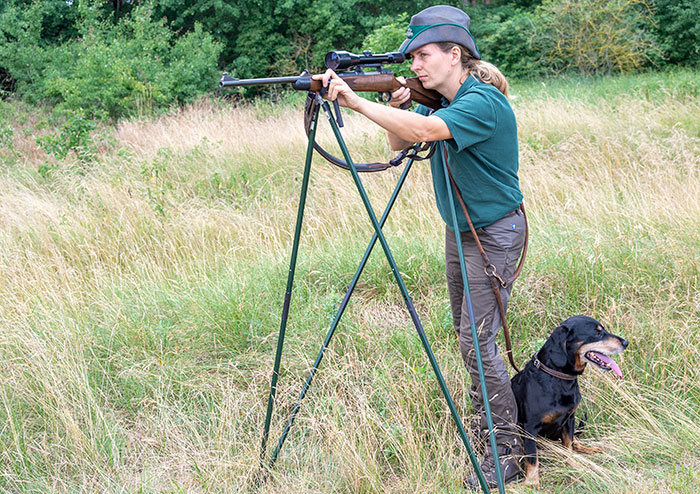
(338, 89)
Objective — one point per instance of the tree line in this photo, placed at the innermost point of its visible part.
(117, 58)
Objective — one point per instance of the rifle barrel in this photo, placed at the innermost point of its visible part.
(227, 80)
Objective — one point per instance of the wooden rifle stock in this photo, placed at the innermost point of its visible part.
(387, 83)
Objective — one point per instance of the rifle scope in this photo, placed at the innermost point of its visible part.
(339, 60)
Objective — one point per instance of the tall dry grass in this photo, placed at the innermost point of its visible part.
(141, 298)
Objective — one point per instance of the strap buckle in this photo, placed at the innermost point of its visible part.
(494, 274)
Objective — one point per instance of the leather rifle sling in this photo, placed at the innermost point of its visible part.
(496, 281)
(411, 152)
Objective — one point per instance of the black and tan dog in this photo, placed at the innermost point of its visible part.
(546, 390)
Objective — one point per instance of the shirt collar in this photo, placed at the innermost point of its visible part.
(466, 85)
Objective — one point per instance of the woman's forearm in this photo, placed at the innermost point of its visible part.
(404, 127)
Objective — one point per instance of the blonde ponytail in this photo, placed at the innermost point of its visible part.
(486, 72)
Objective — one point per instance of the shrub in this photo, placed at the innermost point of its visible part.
(593, 37)
(389, 37)
(111, 70)
(22, 52)
(505, 37)
(74, 136)
(8, 153)
(132, 68)
(678, 30)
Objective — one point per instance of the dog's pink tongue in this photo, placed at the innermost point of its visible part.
(611, 363)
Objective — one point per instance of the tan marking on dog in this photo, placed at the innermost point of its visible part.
(578, 364)
(566, 440)
(532, 474)
(580, 448)
(551, 417)
(608, 346)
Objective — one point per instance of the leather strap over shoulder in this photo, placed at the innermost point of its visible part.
(496, 281)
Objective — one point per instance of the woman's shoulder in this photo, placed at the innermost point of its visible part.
(487, 94)
(483, 88)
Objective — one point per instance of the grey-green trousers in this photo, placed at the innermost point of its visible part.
(503, 241)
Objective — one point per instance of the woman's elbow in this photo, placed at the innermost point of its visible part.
(397, 143)
(396, 146)
(435, 129)
(422, 135)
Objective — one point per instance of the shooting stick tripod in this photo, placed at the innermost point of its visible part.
(378, 235)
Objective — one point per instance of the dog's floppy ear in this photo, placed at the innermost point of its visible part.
(558, 354)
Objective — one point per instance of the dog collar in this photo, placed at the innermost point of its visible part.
(561, 375)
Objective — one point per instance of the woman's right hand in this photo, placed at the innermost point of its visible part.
(338, 90)
(400, 96)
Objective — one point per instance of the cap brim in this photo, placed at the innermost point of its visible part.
(439, 34)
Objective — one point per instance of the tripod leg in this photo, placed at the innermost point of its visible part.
(409, 303)
(339, 314)
(475, 338)
(290, 282)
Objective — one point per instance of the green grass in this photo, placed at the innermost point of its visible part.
(142, 293)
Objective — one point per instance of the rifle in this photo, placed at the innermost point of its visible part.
(352, 69)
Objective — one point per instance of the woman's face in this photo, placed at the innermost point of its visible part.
(431, 65)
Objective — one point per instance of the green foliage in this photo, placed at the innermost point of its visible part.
(116, 59)
(74, 136)
(593, 37)
(505, 36)
(58, 22)
(132, 68)
(8, 153)
(22, 50)
(219, 18)
(677, 25)
(110, 70)
(192, 66)
(387, 38)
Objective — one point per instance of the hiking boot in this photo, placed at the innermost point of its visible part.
(510, 470)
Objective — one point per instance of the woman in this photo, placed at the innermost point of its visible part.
(476, 127)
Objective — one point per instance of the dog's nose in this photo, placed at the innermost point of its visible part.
(624, 343)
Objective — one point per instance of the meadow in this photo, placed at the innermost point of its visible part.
(141, 290)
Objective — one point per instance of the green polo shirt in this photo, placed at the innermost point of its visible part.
(482, 154)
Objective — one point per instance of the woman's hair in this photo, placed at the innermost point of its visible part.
(485, 71)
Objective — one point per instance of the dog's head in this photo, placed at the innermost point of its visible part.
(582, 340)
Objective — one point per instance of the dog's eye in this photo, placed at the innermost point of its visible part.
(599, 328)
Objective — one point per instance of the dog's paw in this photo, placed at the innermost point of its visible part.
(532, 483)
(532, 475)
(586, 450)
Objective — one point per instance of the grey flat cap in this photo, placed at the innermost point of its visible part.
(437, 24)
